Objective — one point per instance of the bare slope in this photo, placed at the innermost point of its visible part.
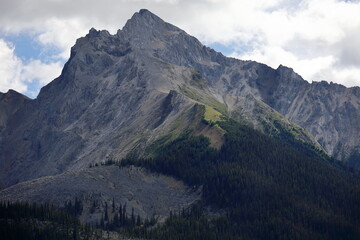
(148, 194)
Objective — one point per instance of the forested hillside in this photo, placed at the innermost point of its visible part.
(260, 188)
(254, 187)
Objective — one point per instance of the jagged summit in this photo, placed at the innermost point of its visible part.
(147, 21)
(146, 31)
(140, 21)
(146, 11)
(95, 33)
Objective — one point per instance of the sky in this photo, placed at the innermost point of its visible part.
(319, 39)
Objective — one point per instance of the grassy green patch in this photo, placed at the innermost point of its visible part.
(211, 114)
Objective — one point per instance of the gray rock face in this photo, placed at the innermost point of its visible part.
(148, 194)
(119, 93)
(107, 102)
(330, 112)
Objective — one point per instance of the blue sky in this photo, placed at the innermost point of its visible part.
(27, 47)
(317, 38)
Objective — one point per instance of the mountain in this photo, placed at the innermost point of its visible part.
(111, 97)
(119, 93)
(147, 96)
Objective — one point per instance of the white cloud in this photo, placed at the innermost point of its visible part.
(15, 74)
(318, 38)
(62, 39)
(10, 69)
(40, 72)
(274, 56)
(348, 76)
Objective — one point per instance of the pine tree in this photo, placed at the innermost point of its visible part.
(138, 220)
(132, 217)
(106, 217)
(116, 221)
(121, 219)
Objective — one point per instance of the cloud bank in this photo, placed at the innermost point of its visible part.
(317, 38)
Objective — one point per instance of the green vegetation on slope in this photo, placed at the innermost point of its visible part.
(203, 98)
(267, 188)
(211, 114)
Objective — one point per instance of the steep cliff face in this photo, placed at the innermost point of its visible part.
(119, 93)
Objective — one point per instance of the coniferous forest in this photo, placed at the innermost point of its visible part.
(254, 187)
(30, 221)
(43, 221)
(264, 188)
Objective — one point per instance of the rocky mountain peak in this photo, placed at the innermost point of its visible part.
(116, 95)
(144, 19)
(145, 25)
(131, 94)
